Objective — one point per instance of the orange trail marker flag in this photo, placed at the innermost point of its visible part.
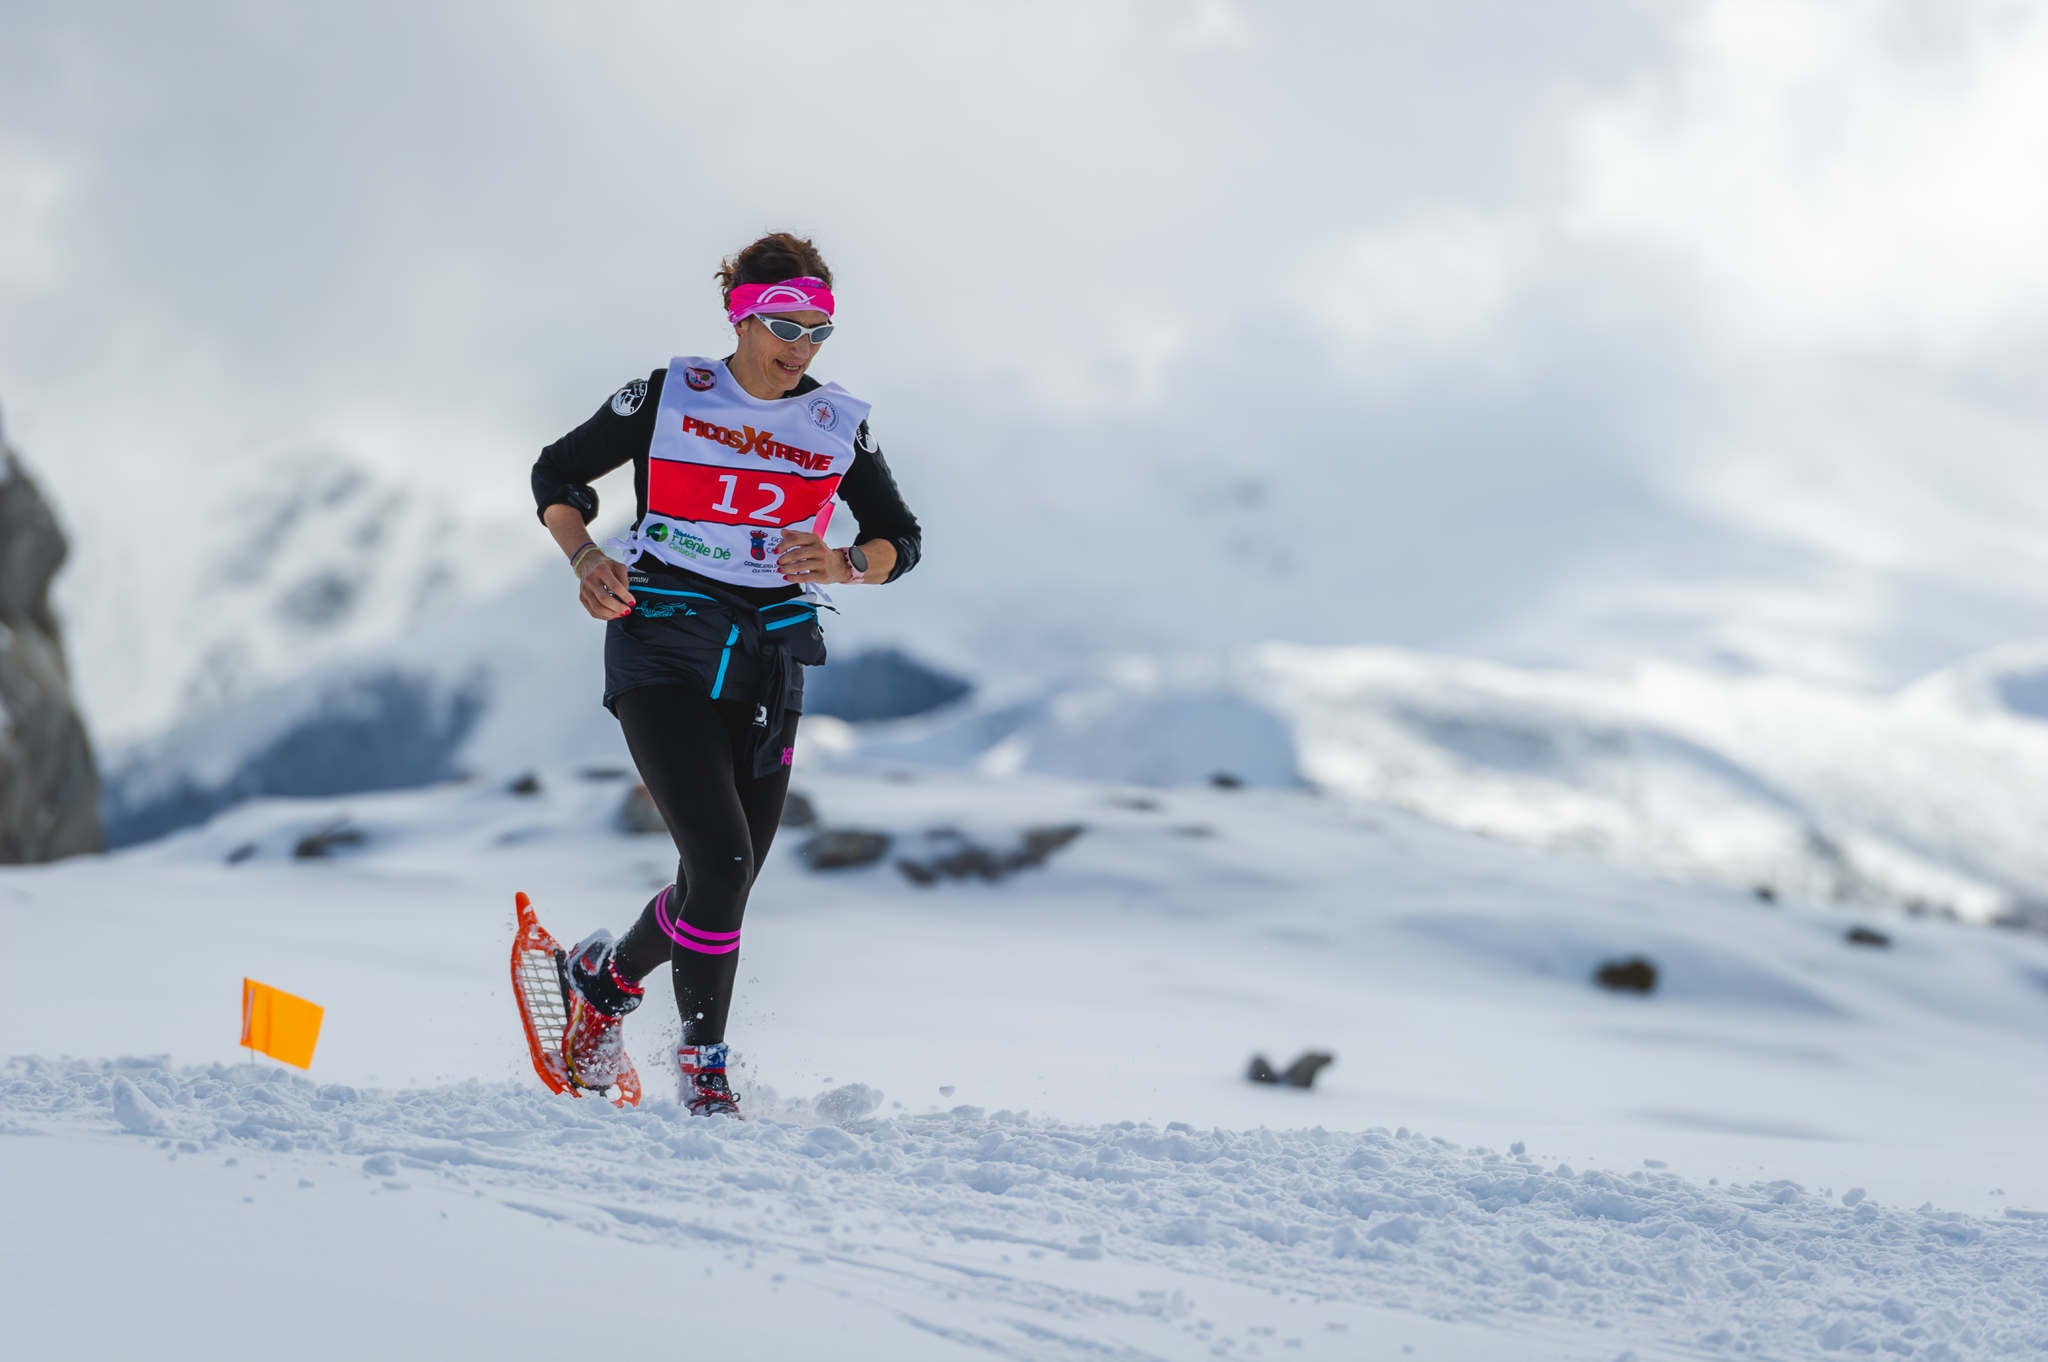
(279, 1024)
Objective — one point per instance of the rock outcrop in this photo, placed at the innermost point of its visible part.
(49, 791)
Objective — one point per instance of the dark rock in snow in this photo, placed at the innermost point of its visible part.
(969, 862)
(1866, 936)
(598, 773)
(49, 787)
(325, 841)
(241, 853)
(528, 784)
(965, 859)
(798, 811)
(879, 683)
(1225, 780)
(845, 849)
(1300, 1074)
(1633, 975)
(1765, 894)
(2023, 915)
(638, 814)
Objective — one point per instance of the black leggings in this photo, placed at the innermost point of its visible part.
(695, 755)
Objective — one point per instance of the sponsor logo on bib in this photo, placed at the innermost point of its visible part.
(759, 551)
(823, 415)
(747, 440)
(627, 400)
(700, 380)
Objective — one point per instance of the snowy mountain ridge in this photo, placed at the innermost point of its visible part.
(1923, 800)
(1927, 800)
(308, 559)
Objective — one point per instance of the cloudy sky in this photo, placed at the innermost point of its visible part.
(1564, 332)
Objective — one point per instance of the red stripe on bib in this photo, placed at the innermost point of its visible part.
(733, 496)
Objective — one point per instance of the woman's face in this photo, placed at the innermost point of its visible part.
(780, 363)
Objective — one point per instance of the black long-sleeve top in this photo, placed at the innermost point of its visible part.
(621, 431)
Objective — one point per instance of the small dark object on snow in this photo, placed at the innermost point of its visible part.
(798, 811)
(969, 860)
(1300, 1074)
(637, 812)
(845, 849)
(2024, 915)
(241, 853)
(1226, 780)
(528, 784)
(1866, 936)
(1135, 803)
(315, 845)
(603, 773)
(1765, 894)
(1039, 843)
(1192, 830)
(1633, 975)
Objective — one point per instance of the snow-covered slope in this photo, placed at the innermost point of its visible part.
(2011, 681)
(299, 562)
(356, 636)
(477, 678)
(1504, 1162)
(1931, 800)
(950, 1235)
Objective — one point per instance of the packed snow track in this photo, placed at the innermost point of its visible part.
(968, 1234)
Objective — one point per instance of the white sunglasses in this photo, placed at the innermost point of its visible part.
(783, 329)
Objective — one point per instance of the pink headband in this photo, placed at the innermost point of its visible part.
(791, 295)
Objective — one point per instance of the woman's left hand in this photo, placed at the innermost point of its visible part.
(804, 557)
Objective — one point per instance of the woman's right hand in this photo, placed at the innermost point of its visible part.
(605, 593)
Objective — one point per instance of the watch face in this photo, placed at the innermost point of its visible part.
(858, 558)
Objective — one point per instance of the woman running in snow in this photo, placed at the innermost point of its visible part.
(712, 610)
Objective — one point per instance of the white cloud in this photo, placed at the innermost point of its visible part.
(1542, 296)
(1861, 176)
(32, 191)
(1421, 291)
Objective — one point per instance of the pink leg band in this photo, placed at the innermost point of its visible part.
(683, 934)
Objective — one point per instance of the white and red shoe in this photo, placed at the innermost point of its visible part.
(705, 1091)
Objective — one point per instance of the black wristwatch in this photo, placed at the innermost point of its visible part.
(856, 563)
